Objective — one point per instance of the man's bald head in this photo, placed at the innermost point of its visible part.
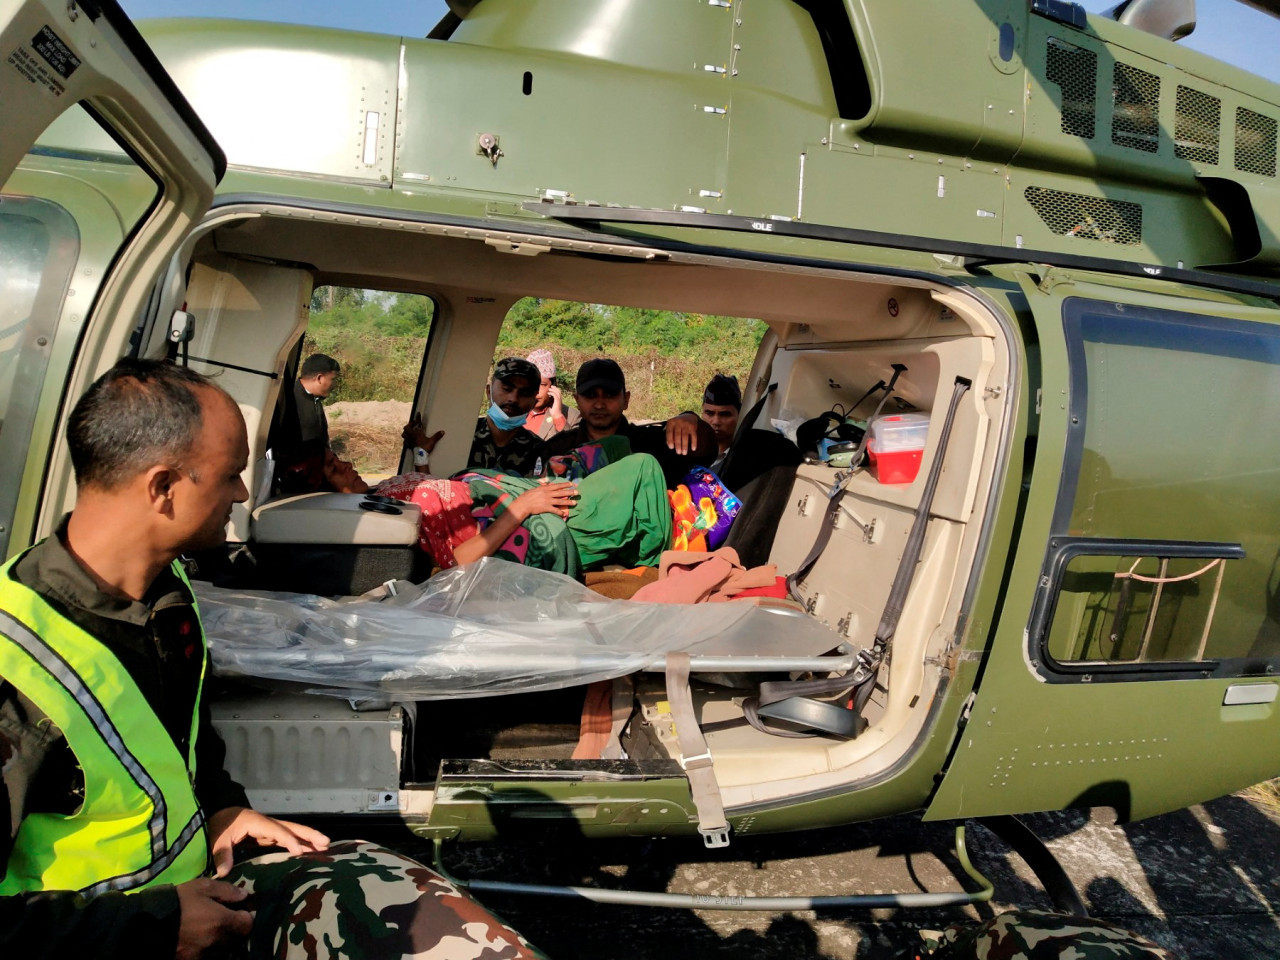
(137, 414)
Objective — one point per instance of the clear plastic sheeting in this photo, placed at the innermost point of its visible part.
(487, 628)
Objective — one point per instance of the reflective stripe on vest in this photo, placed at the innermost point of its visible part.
(139, 823)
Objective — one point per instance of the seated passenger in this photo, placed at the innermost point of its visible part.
(721, 405)
(549, 415)
(680, 444)
(500, 441)
(619, 513)
(617, 510)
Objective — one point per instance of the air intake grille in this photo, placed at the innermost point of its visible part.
(1087, 218)
(1196, 126)
(1255, 143)
(1075, 71)
(1135, 119)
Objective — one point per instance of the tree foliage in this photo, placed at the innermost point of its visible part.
(668, 356)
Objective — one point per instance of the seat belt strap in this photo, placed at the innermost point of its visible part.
(746, 423)
(838, 487)
(695, 755)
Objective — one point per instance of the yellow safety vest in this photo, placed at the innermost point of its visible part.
(139, 824)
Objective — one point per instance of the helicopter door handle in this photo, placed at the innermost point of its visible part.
(1240, 693)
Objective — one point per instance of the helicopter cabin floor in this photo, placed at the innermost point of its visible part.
(546, 726)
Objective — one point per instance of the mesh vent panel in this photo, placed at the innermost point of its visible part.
(1075, 71)
(1087, 218)
(1135, 120)
(1195, 130)
(1255, 143)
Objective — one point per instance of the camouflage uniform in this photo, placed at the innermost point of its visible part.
(1039, 935)
(360, 901)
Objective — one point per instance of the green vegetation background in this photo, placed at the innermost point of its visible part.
(667, 357)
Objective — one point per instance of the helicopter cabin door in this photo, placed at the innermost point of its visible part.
(103, 169)
(1135, 663)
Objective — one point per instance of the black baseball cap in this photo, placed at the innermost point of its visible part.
(600, 372)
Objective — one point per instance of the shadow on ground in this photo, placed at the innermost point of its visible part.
(1202, 881)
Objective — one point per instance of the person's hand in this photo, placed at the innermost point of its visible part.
(682, 433)
(204, 918)
(229, 826)
(558, 498)
(557, 397)
(415, 434)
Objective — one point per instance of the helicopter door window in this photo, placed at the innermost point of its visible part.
(1171, 463)
(38, 246)
(1158, 604)
(57, 235)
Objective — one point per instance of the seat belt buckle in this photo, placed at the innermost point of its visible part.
(696, 762)
(713, 838)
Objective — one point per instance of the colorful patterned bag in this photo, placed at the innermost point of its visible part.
(702, 510)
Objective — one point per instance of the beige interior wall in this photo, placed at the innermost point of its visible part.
(251, 315)
(850, 583)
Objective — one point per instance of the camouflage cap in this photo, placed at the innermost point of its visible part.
(516, 367)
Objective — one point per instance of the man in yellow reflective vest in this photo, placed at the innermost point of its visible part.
(114, 786)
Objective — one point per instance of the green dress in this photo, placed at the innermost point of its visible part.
(622, 516)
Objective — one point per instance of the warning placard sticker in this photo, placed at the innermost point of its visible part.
(56, 53)
(58, 61)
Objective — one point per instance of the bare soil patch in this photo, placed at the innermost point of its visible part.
(367, 432)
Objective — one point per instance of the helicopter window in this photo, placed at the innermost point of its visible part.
(38, 247)
(657, 349)
(1131, 608)
(1162, 450)
(40, 243)
(379, 338)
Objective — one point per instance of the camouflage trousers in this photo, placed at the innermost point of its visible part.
(364, 902)
(1039, 935)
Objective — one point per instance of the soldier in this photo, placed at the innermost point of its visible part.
(113, 779)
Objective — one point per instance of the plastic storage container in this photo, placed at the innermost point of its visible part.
(896, 446)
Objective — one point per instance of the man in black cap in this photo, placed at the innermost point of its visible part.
(601, 393)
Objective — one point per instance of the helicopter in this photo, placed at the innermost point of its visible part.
(1051, 235)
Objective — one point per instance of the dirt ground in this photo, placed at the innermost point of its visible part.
(367, 433)
(1201, 882)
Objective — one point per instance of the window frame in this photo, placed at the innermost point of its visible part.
(1202, 332)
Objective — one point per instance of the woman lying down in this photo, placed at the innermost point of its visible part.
(617, 511)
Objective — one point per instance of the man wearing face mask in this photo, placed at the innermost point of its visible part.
(501, 442)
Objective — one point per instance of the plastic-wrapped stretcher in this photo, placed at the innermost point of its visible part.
(485, 629)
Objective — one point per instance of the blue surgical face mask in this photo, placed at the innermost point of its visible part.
(502, 421)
